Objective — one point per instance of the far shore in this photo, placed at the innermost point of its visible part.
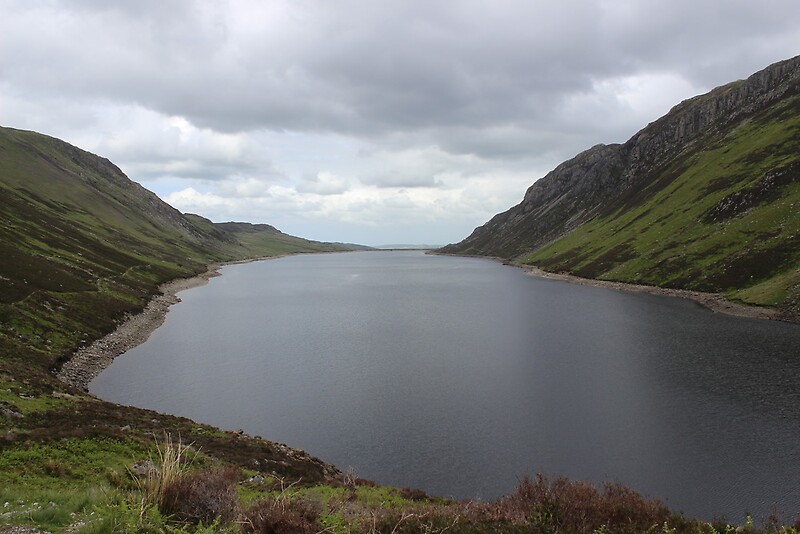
(715, 302)
(90, 361)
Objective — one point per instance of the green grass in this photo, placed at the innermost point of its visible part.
(52, 509)
(58, 483)
(66, 462)
(87, 484)
(25, 402)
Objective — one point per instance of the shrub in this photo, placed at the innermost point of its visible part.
(563, 505)
(202, 497)
(280, 515)
(55, 468)
(413, 494)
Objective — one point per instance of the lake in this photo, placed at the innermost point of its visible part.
(460, 375)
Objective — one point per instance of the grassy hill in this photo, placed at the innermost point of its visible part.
(81, 245)
(705, 198)
(724, 216)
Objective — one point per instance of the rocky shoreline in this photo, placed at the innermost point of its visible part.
(713, 301)
(89, 361)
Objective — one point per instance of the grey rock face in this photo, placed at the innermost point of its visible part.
(602, 177)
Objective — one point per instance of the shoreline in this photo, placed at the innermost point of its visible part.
(715, 302)
(88, 362)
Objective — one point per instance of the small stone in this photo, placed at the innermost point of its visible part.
(143, 468)
(8, 412)
(255, 479)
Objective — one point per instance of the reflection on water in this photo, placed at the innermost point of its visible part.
(460, 375)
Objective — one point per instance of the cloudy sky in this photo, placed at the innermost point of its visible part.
(392, 121)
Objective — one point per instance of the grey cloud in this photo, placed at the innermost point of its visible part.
(447, 72)
(323, 184)
(196, 169)
(396, 179)
(705, 41)
(457, 102)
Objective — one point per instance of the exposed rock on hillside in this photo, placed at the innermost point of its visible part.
(607, 177)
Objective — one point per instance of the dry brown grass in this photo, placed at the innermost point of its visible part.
(281, 514)
(564, 505)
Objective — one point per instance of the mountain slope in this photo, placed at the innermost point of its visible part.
(81, 245)
(705, 198)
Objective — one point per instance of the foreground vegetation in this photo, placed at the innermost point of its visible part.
(91, 485)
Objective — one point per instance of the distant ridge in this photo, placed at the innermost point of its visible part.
(706, 198)
(408, 246)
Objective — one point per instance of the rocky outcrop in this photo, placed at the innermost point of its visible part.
(767, 189)
(567, 196)
(609, 177)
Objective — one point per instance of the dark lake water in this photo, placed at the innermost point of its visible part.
(460, 375)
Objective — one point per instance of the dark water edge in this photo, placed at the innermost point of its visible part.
(459, 376)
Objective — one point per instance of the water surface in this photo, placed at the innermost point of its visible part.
(460, 375)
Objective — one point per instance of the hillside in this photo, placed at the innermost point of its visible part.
(705, 198)
(81, 245)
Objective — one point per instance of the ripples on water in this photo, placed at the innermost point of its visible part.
(460, 375)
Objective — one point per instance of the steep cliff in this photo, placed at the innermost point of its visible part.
(707, 197)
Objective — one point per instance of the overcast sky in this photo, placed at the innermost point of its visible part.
(408, 121)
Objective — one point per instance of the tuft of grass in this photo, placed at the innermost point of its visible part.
(155, 483)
